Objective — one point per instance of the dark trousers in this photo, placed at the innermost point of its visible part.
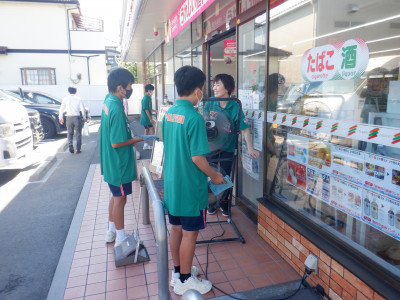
(227, 167)
(75, 124)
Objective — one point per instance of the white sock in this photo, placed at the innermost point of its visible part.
(121, 234)
(111, 226)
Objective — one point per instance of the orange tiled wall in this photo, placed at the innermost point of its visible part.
(336, 280)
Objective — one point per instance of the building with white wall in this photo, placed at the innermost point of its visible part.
(48, 45)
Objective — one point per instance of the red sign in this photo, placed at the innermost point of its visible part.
(229, 51)
(186, 12)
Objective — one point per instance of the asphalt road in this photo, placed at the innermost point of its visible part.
(35, 221)
(35, 216)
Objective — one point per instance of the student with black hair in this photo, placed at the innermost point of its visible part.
(146, 113)
(72, 106)
(185, 177)
(224, 85)
(117, 158)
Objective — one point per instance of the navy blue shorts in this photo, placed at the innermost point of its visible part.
(148, 126)
(122, 190)
(189, 223)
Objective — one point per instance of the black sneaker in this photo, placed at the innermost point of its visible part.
(71, 148)
(224, 209)
(211, 210)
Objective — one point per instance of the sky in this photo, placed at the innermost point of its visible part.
(110, 12)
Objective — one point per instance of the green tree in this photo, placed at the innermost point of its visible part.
(130, 66)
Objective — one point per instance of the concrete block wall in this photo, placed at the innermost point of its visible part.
(336, 280)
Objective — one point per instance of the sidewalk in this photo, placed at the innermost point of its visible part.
(87, 270)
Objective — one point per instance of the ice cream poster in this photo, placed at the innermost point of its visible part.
(297, 174)
(318, 184)
(319, 155)
(346, 196)
(382, 174)
(382, 212)
(297, 148)
(348, 163)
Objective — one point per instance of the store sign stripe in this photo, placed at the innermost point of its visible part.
(396, 139)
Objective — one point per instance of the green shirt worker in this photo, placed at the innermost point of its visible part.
(117, 159)
(146, 113)
(185, 177)
(224, 85)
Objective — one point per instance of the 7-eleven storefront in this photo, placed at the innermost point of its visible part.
(319, 85)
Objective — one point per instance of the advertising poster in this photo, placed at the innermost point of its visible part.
(229, 51)
(319, 155)
(382, 174)
(382, 212)
(297, 174)
(297, 148)
(258, 135)
(250, 166)
(348, 163)
(246, 97)
(346, 196)
(318, 184)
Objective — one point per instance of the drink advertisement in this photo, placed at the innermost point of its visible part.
(382, 174)
(319, 155)
(297, 148)
(318, 184)
(348, 163)
(382, 212)
(346, 196)
(297, 174)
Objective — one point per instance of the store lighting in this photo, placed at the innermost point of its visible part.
(261, 52)
(384, 39)
(348, 29)
(383, 51)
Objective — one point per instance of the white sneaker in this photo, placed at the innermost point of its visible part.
(175, 276)
(147, 147)
(110, 236)
(119, 242)
(193, 283)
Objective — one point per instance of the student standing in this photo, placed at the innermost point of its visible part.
(185, 177)
(117, 159)
(73, 107)
(146, 113)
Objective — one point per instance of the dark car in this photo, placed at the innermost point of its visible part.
(48, 114)
(43, 98)
(36, 125)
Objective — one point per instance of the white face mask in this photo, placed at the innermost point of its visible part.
(199, 101)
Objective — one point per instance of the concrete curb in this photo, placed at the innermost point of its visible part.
(63, 147)
(60, 279)
(42, 170)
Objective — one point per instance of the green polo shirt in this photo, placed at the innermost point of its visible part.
(117, 164)
(232, 109)
(146, 105)
(184, 136)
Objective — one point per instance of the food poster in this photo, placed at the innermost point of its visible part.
(382, 212)
(297, 148)
(346, 196)
(297, 174)
(318, 184)
(319, 155)
(382, 174)
(348, 163)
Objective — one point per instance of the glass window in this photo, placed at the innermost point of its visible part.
(247, 4)
(251, 91)
(169, 96)
(218, 16)
(150, 67)
(197, 54)
(334, 118)
(38, 76)
(197, 29)
(158, 95)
